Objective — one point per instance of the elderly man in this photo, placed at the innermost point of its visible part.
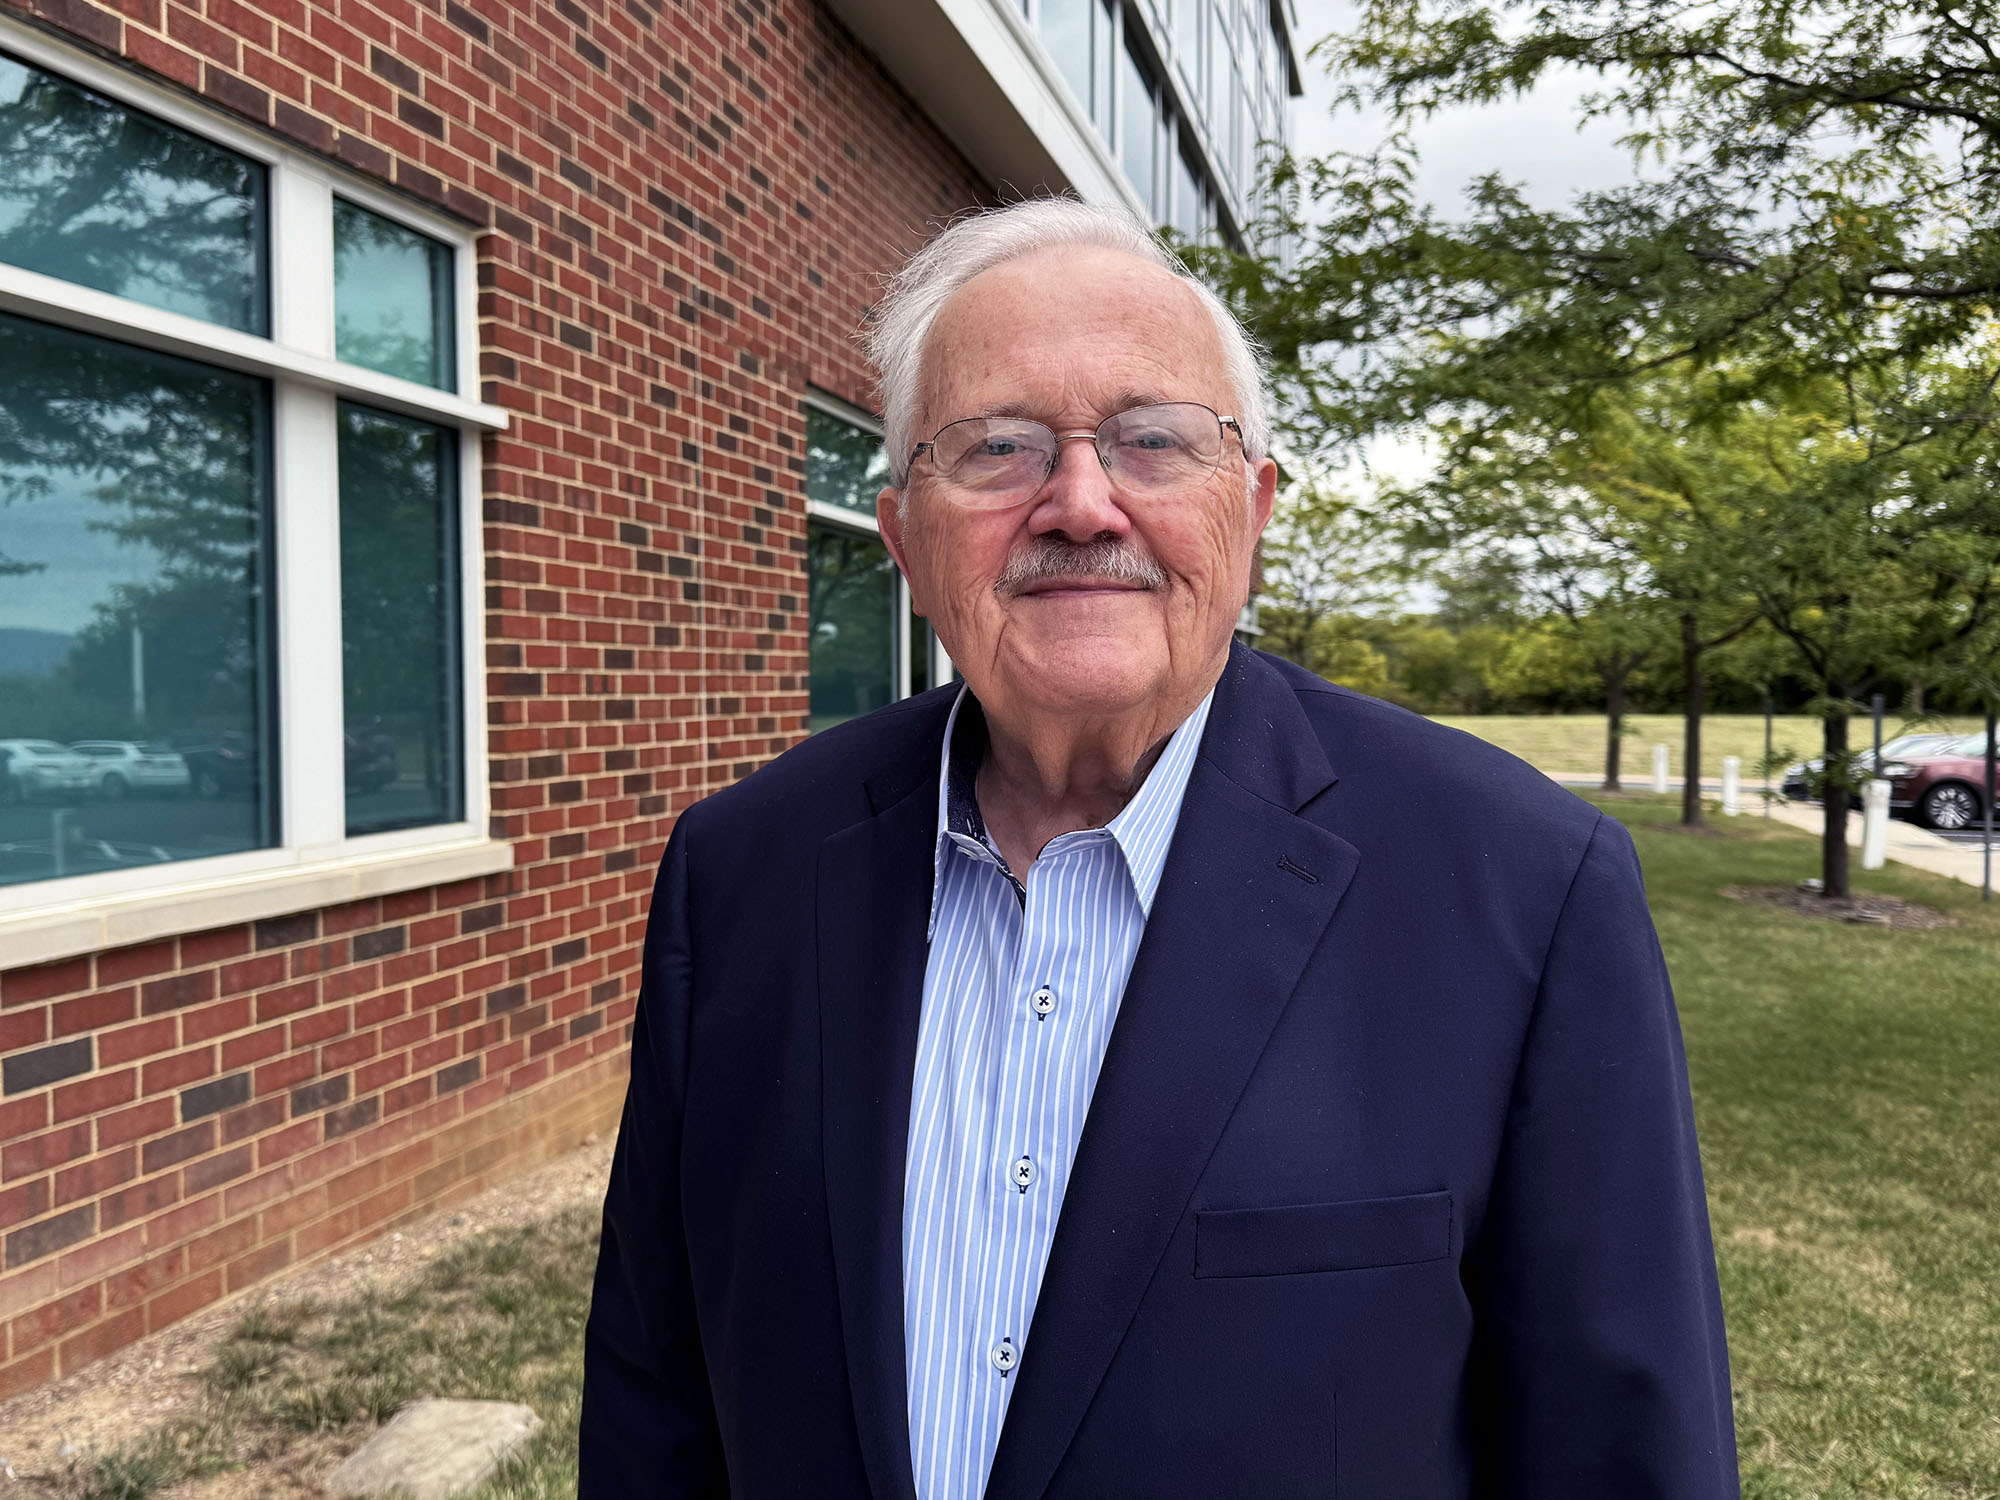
(1147, 1070)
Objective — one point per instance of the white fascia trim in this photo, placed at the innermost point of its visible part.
(1050, 90)
(33, 295)
(48, 933)
(840, 515)
(1011, 113)
(852, 415)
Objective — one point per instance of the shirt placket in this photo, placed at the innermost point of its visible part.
(1027, 1162)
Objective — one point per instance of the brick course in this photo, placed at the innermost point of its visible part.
(683, 209)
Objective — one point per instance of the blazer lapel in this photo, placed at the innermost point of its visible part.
(874, 895)
(1247, 892)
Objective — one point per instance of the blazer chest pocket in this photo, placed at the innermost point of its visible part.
(1302, 1237)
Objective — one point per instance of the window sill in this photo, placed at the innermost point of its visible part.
(63, 931)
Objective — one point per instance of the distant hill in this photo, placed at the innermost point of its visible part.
(32, 653)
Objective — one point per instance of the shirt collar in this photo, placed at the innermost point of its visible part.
(1143, 828)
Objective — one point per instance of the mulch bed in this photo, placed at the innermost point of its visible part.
(1870, 910)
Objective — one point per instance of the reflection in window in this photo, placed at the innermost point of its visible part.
(1139, 131)
(97, 193)
(1187, 40)
(399, 622)
(1190, 217)
(1101, 47)
(852, 604)
(135, 645)
(392, 298)
(845, 464)
(1065, 28)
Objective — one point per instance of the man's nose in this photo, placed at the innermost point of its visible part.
(1076, 500)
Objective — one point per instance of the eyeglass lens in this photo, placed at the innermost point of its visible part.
(1149, 450)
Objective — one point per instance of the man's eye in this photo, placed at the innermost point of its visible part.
(1152, 442)
(998, 448)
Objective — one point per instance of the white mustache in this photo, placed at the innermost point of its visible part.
(1047, 560)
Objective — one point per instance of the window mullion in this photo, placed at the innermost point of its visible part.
(302, 260)
(311, 722)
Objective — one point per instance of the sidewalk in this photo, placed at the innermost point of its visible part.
(1906, 843)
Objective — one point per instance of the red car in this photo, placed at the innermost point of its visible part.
(1945, 790)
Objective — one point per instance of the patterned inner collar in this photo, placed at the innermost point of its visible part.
(1142, 831)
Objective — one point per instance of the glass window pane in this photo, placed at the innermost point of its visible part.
(99, 194)
(1065, 29)
(1187, 194)
(1100, 69)
(1139, 126)
(399, 633)
(136, 702)
(1187, 42)
(845, 464)
(392, 298)
(852, 603)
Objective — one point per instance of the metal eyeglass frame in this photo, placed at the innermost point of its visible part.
(1055, 454)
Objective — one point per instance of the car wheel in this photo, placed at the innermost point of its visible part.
(113, 787)
(1949, 806)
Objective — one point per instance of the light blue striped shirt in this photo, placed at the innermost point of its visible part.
(1020, 992)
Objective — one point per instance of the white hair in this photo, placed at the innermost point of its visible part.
(980, 241)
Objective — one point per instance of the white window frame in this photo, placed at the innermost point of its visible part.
(854, 520)
(315, 862)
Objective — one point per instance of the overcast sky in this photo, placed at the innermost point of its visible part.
(1533, 141)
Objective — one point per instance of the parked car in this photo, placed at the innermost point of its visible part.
(10, 789)
(1802, 781)
(42, 768)
(219, 765)
(1944, 790)
(125, 766)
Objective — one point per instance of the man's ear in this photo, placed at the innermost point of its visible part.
(1263, 494)
(889, 515)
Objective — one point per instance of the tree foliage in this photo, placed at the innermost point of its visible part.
(1757, 377)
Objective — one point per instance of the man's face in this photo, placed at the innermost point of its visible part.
(1068, 338)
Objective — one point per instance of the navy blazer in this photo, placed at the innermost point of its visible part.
(1388, 1189)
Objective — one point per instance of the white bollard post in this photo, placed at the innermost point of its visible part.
(1874, 824)
(1732, 785)
(1660, 770)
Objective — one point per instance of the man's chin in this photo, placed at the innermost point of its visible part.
(1085, 674)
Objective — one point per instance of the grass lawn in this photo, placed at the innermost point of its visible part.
(1845, 1082)
(1574, 743)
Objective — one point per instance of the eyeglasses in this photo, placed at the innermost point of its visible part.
(990, 463)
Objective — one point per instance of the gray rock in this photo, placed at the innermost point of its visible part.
(434, 1449)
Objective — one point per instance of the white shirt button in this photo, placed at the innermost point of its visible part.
(1043, 1001)
(1022, 1173)
(1005, 1356)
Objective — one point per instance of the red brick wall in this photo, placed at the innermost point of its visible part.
(686, 204)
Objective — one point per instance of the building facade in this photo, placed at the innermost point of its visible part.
(434, 451)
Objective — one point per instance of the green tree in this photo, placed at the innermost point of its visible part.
(1813, 229)
(1322, 564)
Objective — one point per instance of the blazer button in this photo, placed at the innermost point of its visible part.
(1005, 1356)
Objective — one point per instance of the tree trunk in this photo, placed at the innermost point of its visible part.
(1913, 701)
(1833, 840)
(1692, 709)
(1614, 724)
